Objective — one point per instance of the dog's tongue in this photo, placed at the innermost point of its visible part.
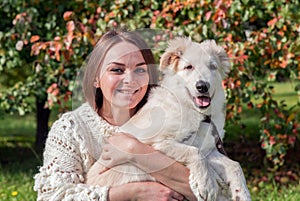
(202, 101)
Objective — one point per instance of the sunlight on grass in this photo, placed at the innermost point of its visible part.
(250, 118)
(16, 186)
(283, 92)
(286, 92)
(272, 192)
(17, 128)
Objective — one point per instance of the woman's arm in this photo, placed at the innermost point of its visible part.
(160, 166)
(143, 191)
(61, 176)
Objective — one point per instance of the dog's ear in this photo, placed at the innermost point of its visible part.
(224, 65)
(169, 58)
(173, 53)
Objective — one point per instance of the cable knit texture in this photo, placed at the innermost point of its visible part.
(73, 145)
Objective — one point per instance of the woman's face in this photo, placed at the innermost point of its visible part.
(124, 76)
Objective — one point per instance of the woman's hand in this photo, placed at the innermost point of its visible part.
(124, 148)
(144, 191)
(118, 150)
(112, 156)
(124, 142)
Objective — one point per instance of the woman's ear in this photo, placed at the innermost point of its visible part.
(97, 83)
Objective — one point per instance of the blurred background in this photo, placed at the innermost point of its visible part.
(43, 45)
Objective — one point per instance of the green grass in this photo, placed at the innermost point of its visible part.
(273, 192)
(19, 161)
(248, 127)
(17, 128)
(286, 91)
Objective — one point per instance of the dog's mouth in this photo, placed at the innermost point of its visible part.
(202, 101)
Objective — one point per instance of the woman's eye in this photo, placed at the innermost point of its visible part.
(189, 67)
(140, 70)
(117, 70)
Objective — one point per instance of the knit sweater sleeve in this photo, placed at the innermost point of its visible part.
(65, 164)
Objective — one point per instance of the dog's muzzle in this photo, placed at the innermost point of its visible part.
(202, 86)
(202, 101)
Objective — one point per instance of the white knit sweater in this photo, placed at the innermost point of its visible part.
(73, 145)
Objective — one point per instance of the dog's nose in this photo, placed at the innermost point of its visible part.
(202, 86)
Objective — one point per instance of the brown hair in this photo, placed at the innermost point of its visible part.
(94, 95)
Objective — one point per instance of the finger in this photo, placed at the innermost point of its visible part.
(105, 160)
(177, 196)
(105, 157)
(104, 170)
(173, 199)
(107, 147)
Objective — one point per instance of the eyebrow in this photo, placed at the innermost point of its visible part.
(121, 64)
(141, 64)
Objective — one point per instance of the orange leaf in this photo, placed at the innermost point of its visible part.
(67, 15)
(267, 132)
(259, 105)
(34, 38)
(55, 92)
(239, 109)
(267, 62)
(58, 46)
(272, 22)
(291, 117)
(277, 126)
(281, 33)
(238, 83)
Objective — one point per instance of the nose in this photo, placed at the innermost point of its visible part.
(128, 77)
(202, 86)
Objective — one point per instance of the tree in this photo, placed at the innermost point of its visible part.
(32, 41)
(51, 40)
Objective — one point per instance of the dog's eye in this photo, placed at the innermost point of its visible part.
(189, 67)
(213, 66)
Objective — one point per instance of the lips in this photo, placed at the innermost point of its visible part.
(127, 91)
(202, 101)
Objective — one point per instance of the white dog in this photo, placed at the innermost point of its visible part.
(187, 109)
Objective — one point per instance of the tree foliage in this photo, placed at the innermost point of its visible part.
(46, 42)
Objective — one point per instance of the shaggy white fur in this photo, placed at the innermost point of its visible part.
(172, 122)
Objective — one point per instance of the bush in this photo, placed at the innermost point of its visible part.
(51, 40)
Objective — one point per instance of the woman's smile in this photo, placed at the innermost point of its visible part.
(124, 78)
(127, 91)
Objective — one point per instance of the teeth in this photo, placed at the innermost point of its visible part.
(127, 91)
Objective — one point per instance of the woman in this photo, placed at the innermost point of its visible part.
(117, 80)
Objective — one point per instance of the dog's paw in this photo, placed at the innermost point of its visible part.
(209, 191)
(237, 183)
(204, 184)
(241, 194)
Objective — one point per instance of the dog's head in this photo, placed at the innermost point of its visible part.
(202, 66)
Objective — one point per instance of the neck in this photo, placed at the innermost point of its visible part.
(116, 116)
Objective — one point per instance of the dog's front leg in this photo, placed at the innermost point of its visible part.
(232, 174)
(180, 152)
(203, 184)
